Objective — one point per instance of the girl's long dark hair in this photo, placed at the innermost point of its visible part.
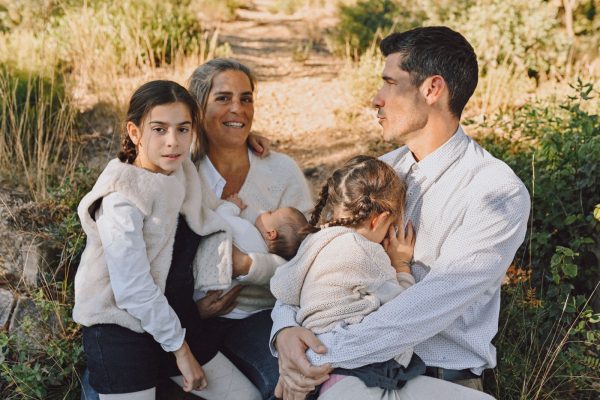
(144, 99)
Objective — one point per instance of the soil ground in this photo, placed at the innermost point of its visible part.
(302, 104)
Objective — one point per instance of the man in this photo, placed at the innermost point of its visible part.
(470, 214)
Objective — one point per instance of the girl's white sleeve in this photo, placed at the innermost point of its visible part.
(120, 227)
(393, 287)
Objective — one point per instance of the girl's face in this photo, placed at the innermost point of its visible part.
(229, 110)
(375, 228)
(164, 139)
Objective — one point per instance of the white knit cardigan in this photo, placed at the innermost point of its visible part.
(160, 198)
(335, 278)
(272, 182)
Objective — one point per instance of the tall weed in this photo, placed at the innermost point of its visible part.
(37, 137)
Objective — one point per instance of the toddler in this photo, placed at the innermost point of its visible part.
(354, 263)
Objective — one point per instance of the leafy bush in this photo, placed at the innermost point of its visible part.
(550, 336)
(368, 21)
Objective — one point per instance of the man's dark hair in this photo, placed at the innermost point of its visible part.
(437, 50)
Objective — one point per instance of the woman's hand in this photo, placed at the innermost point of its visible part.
(400, 246)
(297, 376)
(235, 199)
(241, 262)
(193, 375)
(259, 144)
(213, 304)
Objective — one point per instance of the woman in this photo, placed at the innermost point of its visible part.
(224, 89)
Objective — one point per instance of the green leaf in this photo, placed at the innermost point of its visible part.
(570, 270)
(570, 219)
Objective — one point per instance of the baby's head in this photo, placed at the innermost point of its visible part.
(283, 230)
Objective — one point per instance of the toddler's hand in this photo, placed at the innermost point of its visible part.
(400, 246)
(235, 199)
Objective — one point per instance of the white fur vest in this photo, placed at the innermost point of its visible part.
(160, 198)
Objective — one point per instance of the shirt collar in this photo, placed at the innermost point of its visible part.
(213, 178)
(434, 164)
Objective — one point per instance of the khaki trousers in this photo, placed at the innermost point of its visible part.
(419, 388)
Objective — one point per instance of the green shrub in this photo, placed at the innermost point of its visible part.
(368, 21)
(549, 334)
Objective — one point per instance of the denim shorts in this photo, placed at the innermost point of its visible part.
(123, 361)
(120, 360)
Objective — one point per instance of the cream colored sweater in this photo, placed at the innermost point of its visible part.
(160, 198)
(272, 182)
(337, 277)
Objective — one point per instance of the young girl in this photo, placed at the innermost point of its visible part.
(133, 289)
(342, 272)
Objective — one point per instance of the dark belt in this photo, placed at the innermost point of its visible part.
(450, 374)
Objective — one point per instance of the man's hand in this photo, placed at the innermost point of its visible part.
(259, 144)
(297, 376)
(213, 304)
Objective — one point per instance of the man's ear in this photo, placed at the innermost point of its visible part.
(135, 134)
(378, 220)
(272, 234)
(433, 88)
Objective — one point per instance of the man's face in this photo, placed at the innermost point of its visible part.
(402, 109)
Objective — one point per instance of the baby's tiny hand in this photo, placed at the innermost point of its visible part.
(235, 199)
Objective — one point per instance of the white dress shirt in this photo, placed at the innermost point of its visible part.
(470, 215)
(120, 226)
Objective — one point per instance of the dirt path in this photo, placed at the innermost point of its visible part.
(301, 102)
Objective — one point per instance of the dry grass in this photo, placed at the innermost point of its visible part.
(37, 138)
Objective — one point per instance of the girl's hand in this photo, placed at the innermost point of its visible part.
(235, 199)
(400, 247)
(213, 304)
(260, 145)
(193, 375)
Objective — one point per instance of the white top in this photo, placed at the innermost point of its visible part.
(272, 182)
(120, 228)
(246, 236)
(214, 179)
(248, 239)
(470, 214)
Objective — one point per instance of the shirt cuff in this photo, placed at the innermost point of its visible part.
(283, 316)
(175, 343)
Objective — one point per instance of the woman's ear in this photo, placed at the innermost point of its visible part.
(135, 134)
(378, 219)
(272, 234)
